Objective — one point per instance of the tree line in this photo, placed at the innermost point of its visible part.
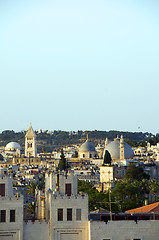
(59, 138)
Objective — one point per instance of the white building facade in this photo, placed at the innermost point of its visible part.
(63, 215)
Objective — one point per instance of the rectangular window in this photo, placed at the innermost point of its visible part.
(69, 214)
(12, 215)
(2, 215)
(68, 189)
(78, 214)
(2, 189)
(59, 214)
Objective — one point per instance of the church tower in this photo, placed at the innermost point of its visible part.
(30, 143)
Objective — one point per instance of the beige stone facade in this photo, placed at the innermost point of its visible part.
(63, 215)
(111, 173)
(30, 143)
(11, 210)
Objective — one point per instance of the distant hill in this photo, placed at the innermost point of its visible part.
(57, 139)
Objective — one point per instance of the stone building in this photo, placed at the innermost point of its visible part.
(11, 210)
(111, 173)
(30, 143)
(63, 207)
(63, 215)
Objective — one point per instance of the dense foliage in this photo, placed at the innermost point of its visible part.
(135, 173)
(134, 189)
(107, 158)
(58, 138)
(96, 199)
(63, 165)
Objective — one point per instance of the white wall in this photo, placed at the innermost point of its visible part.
(36, 230)
(125, 230)
(8, 228)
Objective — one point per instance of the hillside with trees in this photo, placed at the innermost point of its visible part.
(58, 139)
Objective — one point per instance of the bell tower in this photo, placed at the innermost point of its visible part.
(30, 143)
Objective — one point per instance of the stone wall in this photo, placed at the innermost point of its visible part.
(124, 230)
(36, 230)
(12, 230)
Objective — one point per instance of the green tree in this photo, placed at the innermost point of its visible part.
(96, 199)
(135, 173)
(31, 208)
(30, 189)
(142, 144)
(41, 185)
(128, 194)
(43, 149)
(107, 158)
(145, 187)
(76, 154)
(130, 142)
(154, 187)
(62, 163)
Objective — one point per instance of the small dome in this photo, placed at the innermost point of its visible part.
(87, 147)
(12, 146)
(114, 149)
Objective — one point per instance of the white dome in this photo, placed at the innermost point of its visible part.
(87, 147)
(12, 146)
(114, 149)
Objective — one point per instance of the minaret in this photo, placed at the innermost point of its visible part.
(122, 155)
(87, 138)
(30, 143)
(106, 141)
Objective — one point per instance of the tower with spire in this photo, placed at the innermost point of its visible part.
(30, 143)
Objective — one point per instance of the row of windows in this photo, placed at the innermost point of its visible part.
(24, 160)
(3, 215)
(69, 214)
(90, 155)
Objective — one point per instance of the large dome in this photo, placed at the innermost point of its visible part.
(114, 149)
(87, 147)
(12, 146)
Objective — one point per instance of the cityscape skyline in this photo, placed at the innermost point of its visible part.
(79, 65)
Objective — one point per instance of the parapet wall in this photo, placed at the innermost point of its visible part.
(72, 197)
(119, 230)
(36, 230)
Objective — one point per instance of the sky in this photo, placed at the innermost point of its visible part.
(79, 65)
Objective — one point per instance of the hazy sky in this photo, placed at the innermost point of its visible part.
(83, 64)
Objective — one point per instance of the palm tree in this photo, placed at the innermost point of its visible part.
(145, 187)
(154, 187)
(30, 189)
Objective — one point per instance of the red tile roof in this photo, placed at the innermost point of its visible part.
(151, 208)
